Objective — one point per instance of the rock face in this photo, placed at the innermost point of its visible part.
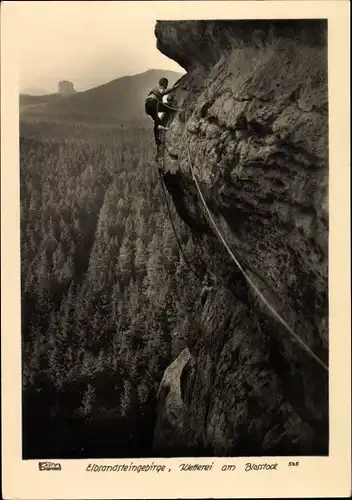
(172, 406)
(256, 125)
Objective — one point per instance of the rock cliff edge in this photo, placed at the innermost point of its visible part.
(256, 111)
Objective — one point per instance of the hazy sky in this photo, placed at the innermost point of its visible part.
(88, 43)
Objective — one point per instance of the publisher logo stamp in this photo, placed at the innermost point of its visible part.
(49, 466)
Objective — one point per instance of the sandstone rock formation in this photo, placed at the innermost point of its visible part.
(256, 103)
(66, 88)
(171, 404)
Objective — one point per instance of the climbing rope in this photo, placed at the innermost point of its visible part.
(248, 279)
(165, 195)
(233, 257)
(167, 105)
(174, 229)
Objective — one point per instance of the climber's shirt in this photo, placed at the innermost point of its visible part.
(156, 94)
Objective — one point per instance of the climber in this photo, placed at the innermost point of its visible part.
(154, 105)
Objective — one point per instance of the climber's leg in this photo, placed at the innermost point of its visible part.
(165, 114)
(151, 108)
(157, 125)
(156, 134)
(161, 117)
(156, 131)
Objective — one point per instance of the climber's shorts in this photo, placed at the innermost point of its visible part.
(152, 107)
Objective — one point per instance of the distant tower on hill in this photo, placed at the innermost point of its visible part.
(66, 87)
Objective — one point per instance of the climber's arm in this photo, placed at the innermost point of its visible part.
(171, 89)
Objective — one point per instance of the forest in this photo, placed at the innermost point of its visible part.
(107, 298)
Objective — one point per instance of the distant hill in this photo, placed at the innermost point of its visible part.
(120, 100)
(34, 91)
(29, 101)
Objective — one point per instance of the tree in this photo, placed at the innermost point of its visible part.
(88, 400)
(103, 283)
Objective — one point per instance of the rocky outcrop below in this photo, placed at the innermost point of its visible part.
(256, 115)
(171, 404)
